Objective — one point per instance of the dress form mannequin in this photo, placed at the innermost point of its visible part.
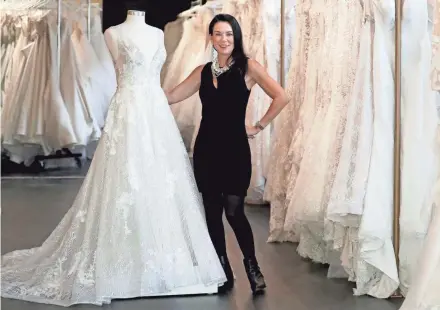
(135, 33)
(137, 226)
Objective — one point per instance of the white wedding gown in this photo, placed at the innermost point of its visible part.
(136, 227)
(420, 154)
(423, 293)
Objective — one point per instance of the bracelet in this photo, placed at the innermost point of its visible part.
(259, 126)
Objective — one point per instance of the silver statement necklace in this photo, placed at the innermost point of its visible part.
(216, 70)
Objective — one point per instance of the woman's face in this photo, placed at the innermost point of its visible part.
(223, 38)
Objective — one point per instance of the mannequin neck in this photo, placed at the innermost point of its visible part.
(135, 17)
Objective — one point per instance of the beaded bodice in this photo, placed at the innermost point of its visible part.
(139, 63)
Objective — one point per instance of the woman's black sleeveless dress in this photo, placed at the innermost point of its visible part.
(222, 156)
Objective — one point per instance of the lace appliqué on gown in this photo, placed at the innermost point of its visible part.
(282, 161)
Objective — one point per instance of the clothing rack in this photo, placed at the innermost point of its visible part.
(27, 5)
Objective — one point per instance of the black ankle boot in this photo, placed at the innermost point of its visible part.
(229, 284)
(255, 276)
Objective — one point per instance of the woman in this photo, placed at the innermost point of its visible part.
(222, 158)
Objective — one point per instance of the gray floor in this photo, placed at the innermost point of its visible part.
(33, 207)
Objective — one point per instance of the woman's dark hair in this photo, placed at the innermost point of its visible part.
(238, 55)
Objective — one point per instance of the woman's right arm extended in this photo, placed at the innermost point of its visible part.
(187, 88)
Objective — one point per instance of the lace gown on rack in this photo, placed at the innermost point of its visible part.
(272, 33)
(308, 105)
(249, 14)
(127, 233)
(359, 214)
(194, 47)
(282, 160)
(345, 205)
(324, 115)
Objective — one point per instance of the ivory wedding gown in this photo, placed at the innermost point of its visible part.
(420, 155)
(272, 33)
(136, 227)
(282, 159)
(195, 48)
(424, 288)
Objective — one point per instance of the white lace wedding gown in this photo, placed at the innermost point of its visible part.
(136, 227)
(282, 159)
(272, 33)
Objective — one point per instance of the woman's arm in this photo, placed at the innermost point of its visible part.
(258, 74)
(187, 88)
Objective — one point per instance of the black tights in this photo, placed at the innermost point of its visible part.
(234, 208)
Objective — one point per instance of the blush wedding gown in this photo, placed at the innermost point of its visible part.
(136, 227)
